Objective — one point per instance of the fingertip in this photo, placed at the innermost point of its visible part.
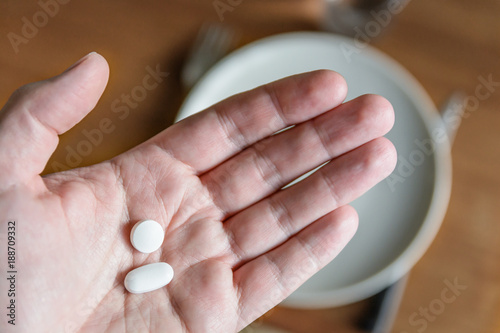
(348, 220)
(82, 86)
(349, 214)
(375, 111)
(100, 66)
(331, 85)
(332, 80)
(310, 94)
(99, 61)
(93, 64)
(390, 155)
(382, 156)
(385, 111)
(330, 234)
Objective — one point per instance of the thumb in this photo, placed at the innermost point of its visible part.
(37, 113)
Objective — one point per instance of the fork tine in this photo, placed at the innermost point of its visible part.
(212, 43)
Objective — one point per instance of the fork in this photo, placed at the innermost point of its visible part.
(212, 43)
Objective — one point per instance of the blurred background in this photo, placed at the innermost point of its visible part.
(447, 45)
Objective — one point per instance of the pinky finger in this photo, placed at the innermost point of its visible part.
(267, 280)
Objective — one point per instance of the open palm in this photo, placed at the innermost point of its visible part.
(238, 242)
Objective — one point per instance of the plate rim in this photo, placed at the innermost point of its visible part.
(441, 192)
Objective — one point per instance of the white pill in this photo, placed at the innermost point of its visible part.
(147, 236)
(149, 277)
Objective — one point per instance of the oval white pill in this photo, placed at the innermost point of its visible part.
(147, 236)
(149, 277)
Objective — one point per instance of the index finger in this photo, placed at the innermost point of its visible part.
(208, 138)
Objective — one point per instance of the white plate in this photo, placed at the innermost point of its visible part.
(398, 223)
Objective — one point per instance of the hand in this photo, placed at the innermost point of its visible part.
(237, 242)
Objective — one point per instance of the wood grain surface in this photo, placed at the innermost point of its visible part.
(446, 45)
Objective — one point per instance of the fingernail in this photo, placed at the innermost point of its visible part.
(79, 61)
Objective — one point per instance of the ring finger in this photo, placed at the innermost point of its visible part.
(275, 219)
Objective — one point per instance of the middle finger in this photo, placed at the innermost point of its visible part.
(270, 164)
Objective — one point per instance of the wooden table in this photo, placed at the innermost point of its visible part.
(446, 44)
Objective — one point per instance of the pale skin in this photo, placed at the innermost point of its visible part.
(238, 243)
